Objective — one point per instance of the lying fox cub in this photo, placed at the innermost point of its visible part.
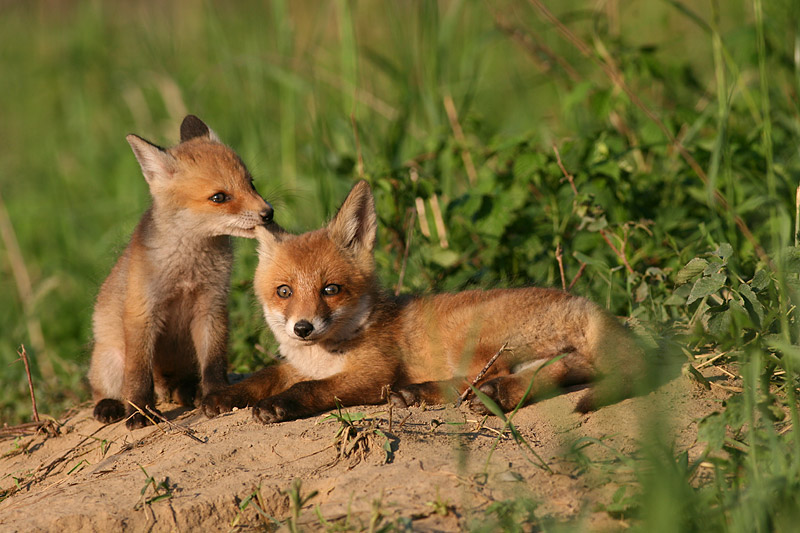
(161, 318)
(343, 337)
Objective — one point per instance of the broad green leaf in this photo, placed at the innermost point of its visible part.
(445, 258)
(720, 323)
(692, 269)
(724, 251)
(712, 429)
(751, 303)
(589, 260)
(760, 281)
(706, 286)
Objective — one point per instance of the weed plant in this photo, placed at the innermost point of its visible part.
(643, 155)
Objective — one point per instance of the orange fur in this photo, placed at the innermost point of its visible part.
(343, 337)
(160, 321)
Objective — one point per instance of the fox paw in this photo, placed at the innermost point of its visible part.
(496, 392)
(222, 401)
(108, 411)
(274, 410)
(137, 420)
(403, 398)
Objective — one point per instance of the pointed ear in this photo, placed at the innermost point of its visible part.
(269, 237)
(156, 163)
(193, 127)
(355, 225)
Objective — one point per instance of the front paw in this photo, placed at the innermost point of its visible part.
(108, 411)
(495, 391)
(138, 420)
(405, 397)
(222, 401)
(274, 409)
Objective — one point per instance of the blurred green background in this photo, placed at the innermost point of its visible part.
(678, 120)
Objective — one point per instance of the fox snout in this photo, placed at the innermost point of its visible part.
(303, 328)
(266, 214)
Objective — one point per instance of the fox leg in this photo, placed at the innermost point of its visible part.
(306, 398)
(209, 329)
(105, 376)
(137, 386)
(264, 383)
(547, 377)
(430, 392)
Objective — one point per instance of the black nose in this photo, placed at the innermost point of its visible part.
(266, 214)
(303, 328)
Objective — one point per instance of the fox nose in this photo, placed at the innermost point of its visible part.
(303, 328)
(266, 214)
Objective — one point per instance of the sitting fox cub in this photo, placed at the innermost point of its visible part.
(160, 321)
(343, 337)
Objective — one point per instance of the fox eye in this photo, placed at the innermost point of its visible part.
(331, 290)
(284, 291)
(220, 198)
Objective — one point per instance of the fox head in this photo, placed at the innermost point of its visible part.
(201, 185)
(320, 287)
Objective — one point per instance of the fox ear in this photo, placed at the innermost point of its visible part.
(355, 225)
(156, 163)
(268, 237)
(193, 127)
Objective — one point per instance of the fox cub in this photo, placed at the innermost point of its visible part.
(344, 338)
(160, 321)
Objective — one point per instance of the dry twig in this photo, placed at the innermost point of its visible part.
(560, 260)
(603, 233)
(186, 431)
(411, 217)
(452, 115)
(24, 356)
(486, 367)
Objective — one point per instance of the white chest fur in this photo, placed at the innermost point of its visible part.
(312, 360)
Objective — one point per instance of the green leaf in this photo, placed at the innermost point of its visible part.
(445, 258)
(583, 258)
(706, 286)
(692, 269)
(751, 303)
(712, 429)
(724, 251)
(719, 324)
(760, 281)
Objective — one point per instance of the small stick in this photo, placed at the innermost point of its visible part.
(412, 216)
(603, 232)
(141, 412)
(387, 391)
(438, 220)
(403, 421)
(564, 171)
(577, 276)
(23, 429)
(797, 217)
(458, 133)
(360, 157)
(621, 255)
(560, 259)
(24, 356)
(465, 394)
(186, 431)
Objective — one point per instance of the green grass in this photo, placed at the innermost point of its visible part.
(314, 95)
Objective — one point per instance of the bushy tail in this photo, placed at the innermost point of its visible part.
(618, 361)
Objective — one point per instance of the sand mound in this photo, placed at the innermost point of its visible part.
(440, 468)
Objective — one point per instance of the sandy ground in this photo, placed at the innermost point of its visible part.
(433, 469)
